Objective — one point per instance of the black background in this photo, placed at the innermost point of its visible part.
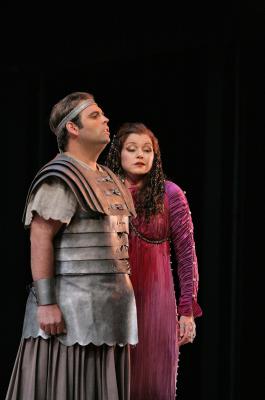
(196, 78)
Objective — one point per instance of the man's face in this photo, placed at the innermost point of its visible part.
(95, 130)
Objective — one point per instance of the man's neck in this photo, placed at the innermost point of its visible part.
(91, 162)
(88, 155)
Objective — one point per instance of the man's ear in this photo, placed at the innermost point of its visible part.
(72, 128)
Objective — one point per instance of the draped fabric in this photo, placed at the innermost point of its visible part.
(48, 370)
(154, 360)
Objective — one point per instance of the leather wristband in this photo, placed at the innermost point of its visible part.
(45, 291)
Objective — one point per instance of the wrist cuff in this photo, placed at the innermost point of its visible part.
(45, 291)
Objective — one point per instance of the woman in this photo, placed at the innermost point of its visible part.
(163, 216)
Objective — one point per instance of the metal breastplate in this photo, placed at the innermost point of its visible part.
(93, 243)
(93, 288)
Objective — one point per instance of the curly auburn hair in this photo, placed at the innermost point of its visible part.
(150, 198)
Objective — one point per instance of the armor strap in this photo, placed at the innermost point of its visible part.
(126, 193)
(45, 291)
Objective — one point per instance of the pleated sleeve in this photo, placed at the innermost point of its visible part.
(182, 237)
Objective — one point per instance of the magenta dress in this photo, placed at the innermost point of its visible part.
(154, 359)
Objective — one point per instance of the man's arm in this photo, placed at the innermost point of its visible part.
(42, 265)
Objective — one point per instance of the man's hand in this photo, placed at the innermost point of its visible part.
(51, 319)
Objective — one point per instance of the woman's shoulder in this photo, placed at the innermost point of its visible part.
(176, 196)
(172, 188)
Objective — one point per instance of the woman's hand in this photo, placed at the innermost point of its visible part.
(186, 330)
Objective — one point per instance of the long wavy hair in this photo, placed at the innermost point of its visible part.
(150, 198)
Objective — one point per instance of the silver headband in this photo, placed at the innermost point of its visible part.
(75, 111)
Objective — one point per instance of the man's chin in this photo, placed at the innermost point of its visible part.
(103, 144)
(106, 141)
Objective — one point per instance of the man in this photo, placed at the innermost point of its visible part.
(80, 316)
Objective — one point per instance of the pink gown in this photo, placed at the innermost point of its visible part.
(154, 359)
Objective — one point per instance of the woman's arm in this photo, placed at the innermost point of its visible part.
(181, 229)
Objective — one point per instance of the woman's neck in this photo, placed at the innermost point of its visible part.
(134, 181)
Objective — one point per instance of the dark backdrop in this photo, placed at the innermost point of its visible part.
(198, 83)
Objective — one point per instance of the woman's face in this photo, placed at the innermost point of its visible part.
(137, 155)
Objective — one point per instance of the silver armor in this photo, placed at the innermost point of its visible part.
(92, 283)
